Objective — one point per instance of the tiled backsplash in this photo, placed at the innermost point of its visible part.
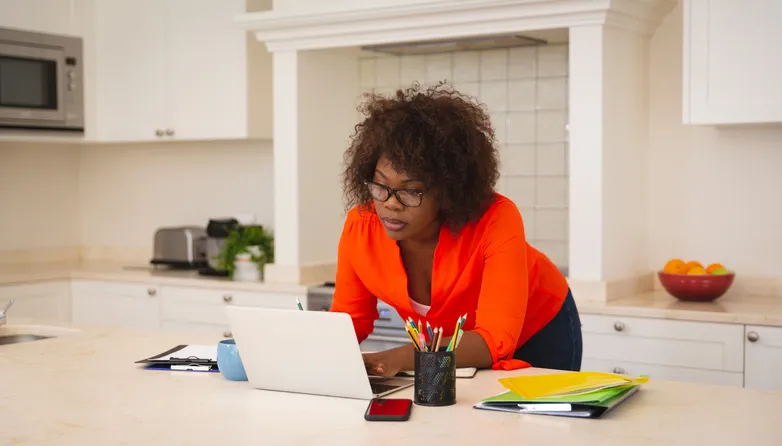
(525, 91)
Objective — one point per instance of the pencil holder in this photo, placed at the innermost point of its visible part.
(435, 378)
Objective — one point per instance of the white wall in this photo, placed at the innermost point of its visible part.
(525, 93)
(714, 194)
(38, 196)
(127, 191)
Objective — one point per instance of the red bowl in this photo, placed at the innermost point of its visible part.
(699, 287)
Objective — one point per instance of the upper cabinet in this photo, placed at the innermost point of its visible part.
(175, 70)
(44, 16)
(732, 61)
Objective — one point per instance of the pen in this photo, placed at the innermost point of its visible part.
(298, 304)
(422, 341)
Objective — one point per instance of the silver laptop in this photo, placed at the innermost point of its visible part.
(312, 352)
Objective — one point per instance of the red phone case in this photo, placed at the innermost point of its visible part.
(391, 409)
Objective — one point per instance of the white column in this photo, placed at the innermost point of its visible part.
(315, 96)
(286, 158)
(586, 154)
(608, 139)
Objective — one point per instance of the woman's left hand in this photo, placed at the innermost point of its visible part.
(386, 363)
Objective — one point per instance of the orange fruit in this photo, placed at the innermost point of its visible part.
(713, 267)
(698, 270)
(674, 266)
(692, 264)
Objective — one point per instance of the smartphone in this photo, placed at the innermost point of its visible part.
(381, 409)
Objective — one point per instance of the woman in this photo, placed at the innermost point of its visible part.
(431, 238)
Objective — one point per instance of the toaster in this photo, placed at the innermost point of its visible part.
(182, 246)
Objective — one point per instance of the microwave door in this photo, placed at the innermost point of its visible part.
(31, 84)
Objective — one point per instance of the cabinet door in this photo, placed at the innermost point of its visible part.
(207, 305)
(662, 372)
(44, 16)
(763, 358)
(126, 305)
(130, 70)
(731, 61)
(207, 70)
(661, 342)
(48, 301)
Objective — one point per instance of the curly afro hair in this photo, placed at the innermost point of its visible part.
(436, 135)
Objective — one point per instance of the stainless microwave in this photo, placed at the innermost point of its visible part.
(41, 81)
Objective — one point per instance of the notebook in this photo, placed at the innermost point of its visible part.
(568, 383)
(585, 405)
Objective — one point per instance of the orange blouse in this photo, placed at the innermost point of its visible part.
(508, 289)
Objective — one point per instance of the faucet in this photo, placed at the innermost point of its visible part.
(5, 310)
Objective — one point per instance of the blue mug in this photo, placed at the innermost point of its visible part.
(228, 361)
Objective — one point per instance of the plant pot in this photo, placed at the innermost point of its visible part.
(245, 269)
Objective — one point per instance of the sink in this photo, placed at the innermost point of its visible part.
(18, 338)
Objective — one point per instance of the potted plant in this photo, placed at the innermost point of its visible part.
(249, 248)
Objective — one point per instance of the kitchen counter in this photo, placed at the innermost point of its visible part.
(83, 388)
(113, 271)
(732, 309)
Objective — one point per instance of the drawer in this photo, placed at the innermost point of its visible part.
(664, 372)
(212, 330)
(204, 305)
(125, 289)
(661, 342)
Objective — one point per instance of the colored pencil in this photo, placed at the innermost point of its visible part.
(429, 330)
(458, 339)
(439, 338)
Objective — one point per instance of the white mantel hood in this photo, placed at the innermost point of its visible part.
(399, 21)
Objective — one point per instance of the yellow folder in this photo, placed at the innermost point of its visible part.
(566, 384)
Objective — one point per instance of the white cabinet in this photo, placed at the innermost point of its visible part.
(128, 305)
(664, 349)
(763, 366)
(44, 16)
(176, 70)
(732, 62)
(202, 310)
(44, 301)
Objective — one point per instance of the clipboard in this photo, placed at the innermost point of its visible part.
(196, 358)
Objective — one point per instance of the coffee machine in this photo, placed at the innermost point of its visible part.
(216, 232)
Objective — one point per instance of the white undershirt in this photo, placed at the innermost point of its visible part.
(419, 308)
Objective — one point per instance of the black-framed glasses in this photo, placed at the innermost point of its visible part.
(408, 197)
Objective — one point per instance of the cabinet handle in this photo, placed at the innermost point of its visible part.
(618, 326)
(227, 334)
(753, 336)
(159, 133)
(227, 298)
(619, 370)
(152, 292)
(170, 132)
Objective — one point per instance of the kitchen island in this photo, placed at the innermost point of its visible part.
(81, 387)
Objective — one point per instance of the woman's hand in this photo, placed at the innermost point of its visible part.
(388, 363)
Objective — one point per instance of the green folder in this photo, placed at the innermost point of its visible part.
(588, 405)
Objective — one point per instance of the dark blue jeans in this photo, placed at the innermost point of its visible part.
(558, 345)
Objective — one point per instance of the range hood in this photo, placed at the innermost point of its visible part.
(466, 44)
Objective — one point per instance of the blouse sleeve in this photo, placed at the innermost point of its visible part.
(502, 303)
(351, 296)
